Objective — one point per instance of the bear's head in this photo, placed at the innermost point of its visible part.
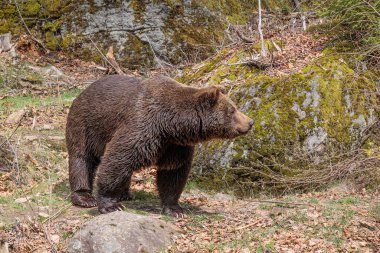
(219, 114)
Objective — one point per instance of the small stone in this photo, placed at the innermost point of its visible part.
(47, 127)
(54, 239)
(30, 137)
(21, 200)
(56, 138)
(43, 215)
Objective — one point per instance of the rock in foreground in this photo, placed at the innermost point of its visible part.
(121, 232)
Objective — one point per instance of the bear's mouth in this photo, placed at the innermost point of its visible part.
(243, 132)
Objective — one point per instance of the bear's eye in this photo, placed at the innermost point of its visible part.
(231, 110)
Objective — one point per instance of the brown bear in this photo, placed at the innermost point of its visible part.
(120, 124)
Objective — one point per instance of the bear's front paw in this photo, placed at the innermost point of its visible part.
(173, 210)
(83, 199)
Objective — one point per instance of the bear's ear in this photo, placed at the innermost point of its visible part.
(222, 89)
(208, 97)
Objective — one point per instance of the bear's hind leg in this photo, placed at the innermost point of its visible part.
(82, 172)
(172, 180)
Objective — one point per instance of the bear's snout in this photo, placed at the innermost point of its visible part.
(243, 123)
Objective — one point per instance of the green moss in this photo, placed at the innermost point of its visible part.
(53, 26)
(67, 41)
(37, 14)
(55, 7)
(51, 41)
(30, 8)
(137, 54)
(323, 98)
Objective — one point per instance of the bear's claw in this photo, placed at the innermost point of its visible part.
(174, 210)
(127, 196)
(111, 208)
(83, 199)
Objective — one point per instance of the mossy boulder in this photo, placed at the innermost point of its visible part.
(299, 119)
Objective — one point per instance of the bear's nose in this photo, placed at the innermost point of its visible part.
(251, 123)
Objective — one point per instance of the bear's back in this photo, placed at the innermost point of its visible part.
(101, 108)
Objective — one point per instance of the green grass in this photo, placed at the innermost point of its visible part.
(191, 185)
(137, 211)
(346, 201)
(18, 102)
(314, 201)
(167, 218)
(67, 234)
(199, 219)
(3, 200)
(143, 195)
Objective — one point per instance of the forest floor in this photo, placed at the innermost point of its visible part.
(36, 214)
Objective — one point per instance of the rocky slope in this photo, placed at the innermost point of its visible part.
(143, 33)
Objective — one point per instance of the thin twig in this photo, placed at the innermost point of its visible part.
(249, 225)
(27, 29)
(56, 214)
(10, 136)
(373, 8)
(104, 57)
(244, 38)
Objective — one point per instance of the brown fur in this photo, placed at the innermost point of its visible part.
(121, 124)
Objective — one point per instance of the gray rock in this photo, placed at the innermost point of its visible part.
(145, 33)
(121, 232)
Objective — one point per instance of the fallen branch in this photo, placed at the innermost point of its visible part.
(283, 203)
(103, 56)
(111, 59)
(240, 35)
(243, 38)
(319, 65)
(249, 225)
(278, 48)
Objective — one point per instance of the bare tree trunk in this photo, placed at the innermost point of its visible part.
(263, 49)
